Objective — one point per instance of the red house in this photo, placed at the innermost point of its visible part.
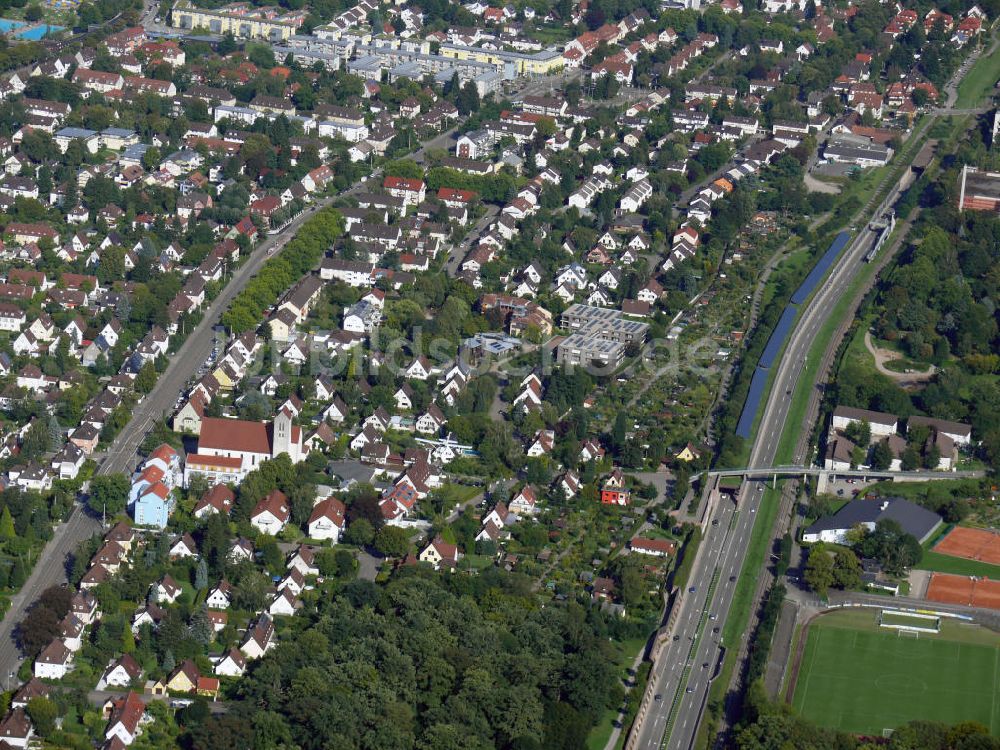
(614, 491)
(265, 206)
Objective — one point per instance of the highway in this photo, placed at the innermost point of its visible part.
(682, 679)
(677, 675)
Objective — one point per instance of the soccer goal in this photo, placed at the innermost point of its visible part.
(909, 623)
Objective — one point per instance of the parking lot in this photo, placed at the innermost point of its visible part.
(848, 487)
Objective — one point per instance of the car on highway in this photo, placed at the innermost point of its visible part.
(713, 617)
(715, 630)
(688, 690)
(692, 589)
(658, 697)
(732, 578)
(677, 637)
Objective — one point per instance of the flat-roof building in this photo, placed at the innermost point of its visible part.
(603, 322)
(979, 190)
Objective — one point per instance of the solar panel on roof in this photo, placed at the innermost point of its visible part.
(820, 269)
(752, 405)
(778, 336)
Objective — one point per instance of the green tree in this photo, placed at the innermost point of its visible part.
(145, 381)
(201, 627)
(633, 587)
(846, 570)
(932, 457)
(881, 458)
(35, 441)
(151, 158)
(43, 713)
(250, 590)
(18, 575)
(468, 99)
(619, 431)
(360, 532)
(910, 460)
(819, 569)
(392, 541)
(6, 524)
(109, 494)
(201, 575)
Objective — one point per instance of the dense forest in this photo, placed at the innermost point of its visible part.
(430, 662)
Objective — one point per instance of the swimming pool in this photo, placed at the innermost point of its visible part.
(6, 25)
(38, 32)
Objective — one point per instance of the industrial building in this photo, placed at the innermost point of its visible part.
(980, 190)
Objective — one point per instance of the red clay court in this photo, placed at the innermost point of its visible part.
(951, 589)
(973, 544)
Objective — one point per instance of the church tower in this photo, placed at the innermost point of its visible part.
(281, 441)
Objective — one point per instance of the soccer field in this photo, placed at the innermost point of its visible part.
(862, 679)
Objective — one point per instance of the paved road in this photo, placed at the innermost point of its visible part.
(459, 251)
(672, 681)
(682, 679)
(99, 697)
(51, 567)
(49, 571)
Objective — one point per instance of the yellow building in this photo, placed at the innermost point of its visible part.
(235, 20)
(520, 64)
(184, 678)
(689, 453)
(225, 377)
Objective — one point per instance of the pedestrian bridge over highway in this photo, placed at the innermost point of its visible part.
(826, 475)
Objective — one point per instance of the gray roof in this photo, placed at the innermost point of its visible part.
(76, 133)
(914, 519)
(940, 425)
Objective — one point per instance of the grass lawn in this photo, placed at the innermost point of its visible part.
(979, 81)
(600, 734)
(958, 565)
(627, 651)
(859, 678)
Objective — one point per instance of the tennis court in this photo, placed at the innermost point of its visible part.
(966, 590)
(972, 544)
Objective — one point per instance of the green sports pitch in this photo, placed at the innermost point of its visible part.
(863, 679)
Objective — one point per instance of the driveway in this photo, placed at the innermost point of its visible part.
(368, 565)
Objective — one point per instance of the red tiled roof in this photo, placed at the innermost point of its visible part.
(128, 711)
(402, 183)
(331, 508)
(234, 434)
(276, 503)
